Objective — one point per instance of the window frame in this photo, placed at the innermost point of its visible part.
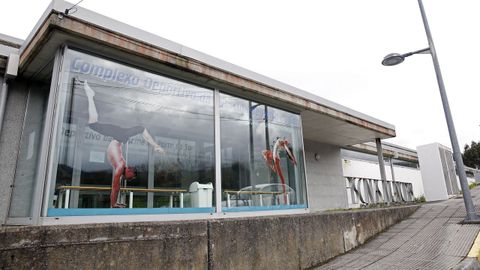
(44, 177)
(303, 170)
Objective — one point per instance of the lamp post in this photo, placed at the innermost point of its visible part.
(395, 59)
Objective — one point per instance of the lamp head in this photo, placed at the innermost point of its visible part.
(393, 59)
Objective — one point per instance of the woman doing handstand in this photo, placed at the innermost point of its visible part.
(120, 136)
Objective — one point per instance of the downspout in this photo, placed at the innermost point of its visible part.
(10, 73)
(3, 101)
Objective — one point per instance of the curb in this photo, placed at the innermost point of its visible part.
(475, 250)
(468, 263)
(471, 262)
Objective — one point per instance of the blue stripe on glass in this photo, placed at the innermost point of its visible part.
(59, 212)
(263, 208)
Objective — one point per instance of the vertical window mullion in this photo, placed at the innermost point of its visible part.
(218, 160)
(43, 181)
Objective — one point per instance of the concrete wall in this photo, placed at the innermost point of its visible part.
(107, 246)
(10, 142)
(326, 185)
(278, 242)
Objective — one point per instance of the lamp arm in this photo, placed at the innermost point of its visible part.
(421, 51)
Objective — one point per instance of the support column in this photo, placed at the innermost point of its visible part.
(392, 170)
(381, 162)
(395, 190)
(383, 174)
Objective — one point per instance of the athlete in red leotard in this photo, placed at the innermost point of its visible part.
(272, 159)
(114, 151)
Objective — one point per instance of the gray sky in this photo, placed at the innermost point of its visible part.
(330, 48)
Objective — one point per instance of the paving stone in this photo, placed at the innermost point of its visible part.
(431, 238)
(363, 261)
(373, 251)
(442, 262)
(340, 262)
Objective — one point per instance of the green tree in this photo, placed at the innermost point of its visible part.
(471, 155)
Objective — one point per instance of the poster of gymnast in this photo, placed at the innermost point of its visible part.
(121, 124)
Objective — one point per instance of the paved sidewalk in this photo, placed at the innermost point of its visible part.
(429, 239)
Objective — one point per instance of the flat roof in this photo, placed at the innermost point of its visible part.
(10, 41)
(139, 34)
(389, 150)
(9, 44)
(304, 99)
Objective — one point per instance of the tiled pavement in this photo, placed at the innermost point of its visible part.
(429, 239)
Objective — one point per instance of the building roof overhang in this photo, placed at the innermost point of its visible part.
(8, 45)
(323, 121)
(389, 151)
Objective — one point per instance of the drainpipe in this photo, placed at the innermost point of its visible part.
(10, 73)
(3, 101)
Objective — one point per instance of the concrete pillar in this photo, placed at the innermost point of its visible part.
(392, 169)
(383, 174)
(10, 142)
(395, 191)
(381, 162)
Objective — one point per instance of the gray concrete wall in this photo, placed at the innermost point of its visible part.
(326, 185)
(278, 242)
(10, 141)
(107, 246)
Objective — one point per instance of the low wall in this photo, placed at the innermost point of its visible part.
(278, 242)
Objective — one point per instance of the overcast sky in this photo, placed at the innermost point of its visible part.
(331, 48)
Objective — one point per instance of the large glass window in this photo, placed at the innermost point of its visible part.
(128, 138)
(128, 141)
(262, 156)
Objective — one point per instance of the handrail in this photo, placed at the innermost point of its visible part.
(123, 189)
(252, 192)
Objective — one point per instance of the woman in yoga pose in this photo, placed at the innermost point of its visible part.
(272, 159)
(120, 136)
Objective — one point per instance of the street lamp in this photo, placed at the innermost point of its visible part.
(395, 59)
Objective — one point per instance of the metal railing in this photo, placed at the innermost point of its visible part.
(64, 193)
(370, 191)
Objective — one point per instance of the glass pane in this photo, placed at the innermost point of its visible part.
(262, 156)
(22, 194)
(130, 139)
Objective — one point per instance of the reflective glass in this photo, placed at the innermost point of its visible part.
(128, 138)
(262, 156)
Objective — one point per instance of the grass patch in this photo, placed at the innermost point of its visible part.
(420, 199)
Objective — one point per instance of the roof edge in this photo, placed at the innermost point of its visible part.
(10, 41)
(165, 44)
